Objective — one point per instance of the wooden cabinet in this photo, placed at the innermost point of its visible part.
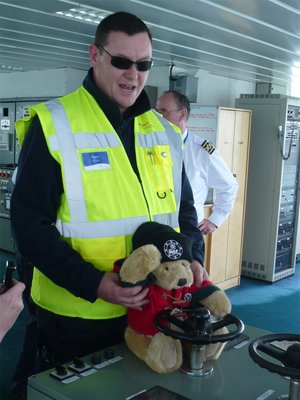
(224, 247)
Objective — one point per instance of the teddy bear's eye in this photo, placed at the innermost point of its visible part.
(167, 268)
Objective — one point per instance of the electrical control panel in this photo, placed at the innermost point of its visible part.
(271, 220)
(6, 188)
(7, 133)
(22, 110)
(10, 112)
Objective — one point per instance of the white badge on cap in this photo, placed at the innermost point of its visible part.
(173, 249)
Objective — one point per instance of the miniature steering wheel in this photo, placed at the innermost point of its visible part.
(195, 325)
(290, 358)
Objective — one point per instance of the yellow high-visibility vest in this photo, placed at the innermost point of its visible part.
(104, 201)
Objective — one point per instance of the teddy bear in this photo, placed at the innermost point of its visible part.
(161, 260)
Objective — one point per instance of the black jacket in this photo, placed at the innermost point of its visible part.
(36, 198)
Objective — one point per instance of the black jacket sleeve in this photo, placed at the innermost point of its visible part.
(34, 203)
(188, 219)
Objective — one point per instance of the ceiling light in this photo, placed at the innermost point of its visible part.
(84, 14)
(10, 67)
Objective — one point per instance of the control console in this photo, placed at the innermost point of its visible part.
(117, 374)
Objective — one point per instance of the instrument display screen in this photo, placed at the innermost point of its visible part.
(158, 393)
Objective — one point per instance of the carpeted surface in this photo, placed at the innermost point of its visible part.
(274, 307)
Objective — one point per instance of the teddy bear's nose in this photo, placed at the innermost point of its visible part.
(182, 282)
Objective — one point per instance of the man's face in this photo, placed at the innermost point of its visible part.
(120, 85)
(167, 106)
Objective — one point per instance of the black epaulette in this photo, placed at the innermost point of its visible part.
(208, 147)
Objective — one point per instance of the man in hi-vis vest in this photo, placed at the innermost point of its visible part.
(94, 165)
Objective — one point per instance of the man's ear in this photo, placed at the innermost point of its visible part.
(94, 54)
(183, 114)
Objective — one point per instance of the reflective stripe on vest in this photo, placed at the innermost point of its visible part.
(65, 139)
(177, 161)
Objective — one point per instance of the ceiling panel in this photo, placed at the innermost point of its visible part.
(254, 40)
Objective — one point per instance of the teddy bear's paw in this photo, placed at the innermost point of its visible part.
(164, 354)
(218, 303)
(213, 351)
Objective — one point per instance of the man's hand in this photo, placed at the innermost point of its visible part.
(199, 273)
(130, 297)
(11, 304)
(206, 226)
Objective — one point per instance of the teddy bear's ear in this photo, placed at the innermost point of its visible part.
(137, 268)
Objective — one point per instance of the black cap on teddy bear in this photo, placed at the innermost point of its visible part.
(171, 244)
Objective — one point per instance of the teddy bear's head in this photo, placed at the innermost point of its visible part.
(160, 255)
(173, 274)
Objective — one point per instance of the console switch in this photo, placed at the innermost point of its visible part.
(61, 373)
(79, 366)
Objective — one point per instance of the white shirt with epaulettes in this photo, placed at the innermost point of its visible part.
(206, 169)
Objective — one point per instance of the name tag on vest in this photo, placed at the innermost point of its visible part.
(95, 160)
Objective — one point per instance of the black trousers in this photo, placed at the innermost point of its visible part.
(64, 338)
(53, 339)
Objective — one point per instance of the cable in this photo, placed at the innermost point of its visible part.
(171, 77)
(280, 141)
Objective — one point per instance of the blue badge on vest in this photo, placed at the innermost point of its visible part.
(95, 160)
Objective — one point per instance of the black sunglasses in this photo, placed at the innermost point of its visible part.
(125, 63)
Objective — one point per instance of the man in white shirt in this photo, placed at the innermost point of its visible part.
(204, 165)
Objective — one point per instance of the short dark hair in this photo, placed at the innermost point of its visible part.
(181, 101)
(120, 21)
